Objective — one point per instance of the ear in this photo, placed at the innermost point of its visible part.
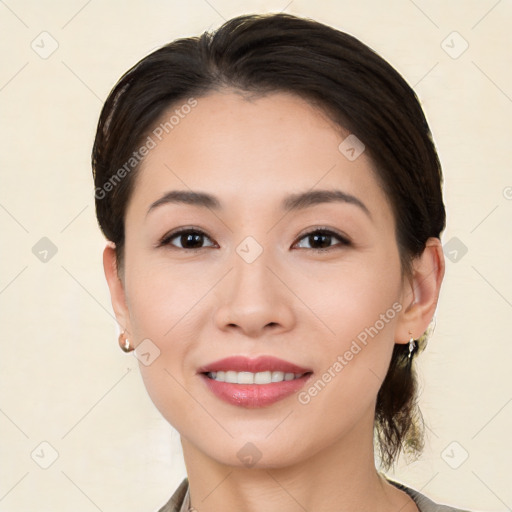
(421, 292)
(116, 287)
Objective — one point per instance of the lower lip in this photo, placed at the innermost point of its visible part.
(254, 395)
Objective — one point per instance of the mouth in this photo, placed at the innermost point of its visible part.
(253, 395)
(253, 383)
(259, 378)
(261, 364)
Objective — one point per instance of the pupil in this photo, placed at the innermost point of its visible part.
(320, 236)
(190, 238)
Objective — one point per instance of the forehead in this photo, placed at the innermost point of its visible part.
(251, 148)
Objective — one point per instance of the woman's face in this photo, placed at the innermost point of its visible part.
(251, 280)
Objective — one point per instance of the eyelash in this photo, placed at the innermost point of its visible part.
(166, 239)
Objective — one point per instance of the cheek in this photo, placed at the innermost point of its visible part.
(161, 299)
(360, 308)
(163, 305)
(361, 298)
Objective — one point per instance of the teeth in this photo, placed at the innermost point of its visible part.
(252, 378)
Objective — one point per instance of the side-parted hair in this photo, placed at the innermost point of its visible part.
(335, 72)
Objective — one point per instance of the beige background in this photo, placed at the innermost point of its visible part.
(64, 380)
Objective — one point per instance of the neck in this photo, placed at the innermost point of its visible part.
(341, 477)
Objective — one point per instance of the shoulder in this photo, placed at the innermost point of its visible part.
(423, 503)
(179, 500)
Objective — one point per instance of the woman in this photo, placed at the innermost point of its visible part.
(272, 200)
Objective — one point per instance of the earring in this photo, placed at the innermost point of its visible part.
(412, 345)
(124, 342)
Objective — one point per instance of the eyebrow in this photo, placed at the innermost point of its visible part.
(293, 202)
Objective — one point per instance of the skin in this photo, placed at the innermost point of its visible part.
(291, 302)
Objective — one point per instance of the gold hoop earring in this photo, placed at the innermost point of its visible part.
(124, 342)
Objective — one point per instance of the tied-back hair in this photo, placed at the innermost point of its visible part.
(337, 73)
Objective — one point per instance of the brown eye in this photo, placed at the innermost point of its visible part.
(321, 240)
(190, 239)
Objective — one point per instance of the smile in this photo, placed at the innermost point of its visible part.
(265, 377)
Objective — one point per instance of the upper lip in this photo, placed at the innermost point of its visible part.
(259, 364)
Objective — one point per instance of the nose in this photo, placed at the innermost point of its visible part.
(254, 300)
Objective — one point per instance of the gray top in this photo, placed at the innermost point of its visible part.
(180, 500)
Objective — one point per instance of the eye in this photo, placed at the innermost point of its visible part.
(322, 238)
(188, 238)
(192, 239)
